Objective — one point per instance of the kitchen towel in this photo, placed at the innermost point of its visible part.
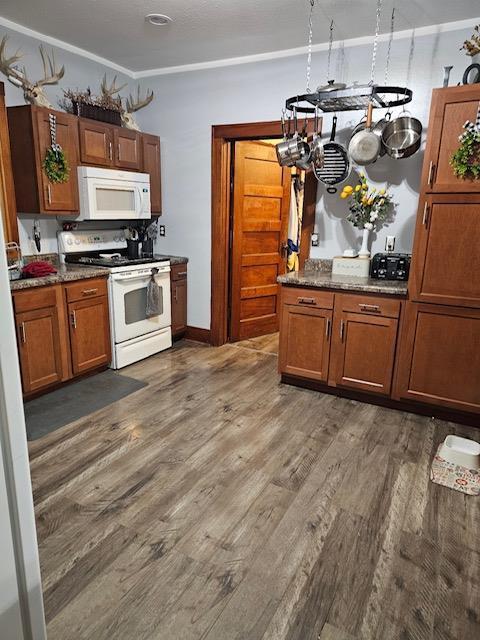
(154, 297)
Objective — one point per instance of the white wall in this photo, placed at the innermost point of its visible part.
(79, 72)
(188, 104)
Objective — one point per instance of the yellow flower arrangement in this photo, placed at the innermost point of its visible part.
(368, 205)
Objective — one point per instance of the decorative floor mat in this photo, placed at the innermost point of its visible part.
(454, 476)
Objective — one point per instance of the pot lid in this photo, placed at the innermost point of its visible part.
(331, 86)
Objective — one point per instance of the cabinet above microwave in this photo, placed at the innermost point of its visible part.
(85, 142)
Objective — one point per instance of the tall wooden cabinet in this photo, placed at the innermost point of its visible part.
(439, 359)
(178, 294)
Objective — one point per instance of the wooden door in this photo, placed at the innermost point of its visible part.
(127, 149)
(261, 200)
(89, 334)
(151, 165)
(363, 351)
(96, 143)
(440, 356)
(38, 335)
(304, 347)
(446, 255)
(58, 196)
(179, 306)
(451, 108)
(8, 208)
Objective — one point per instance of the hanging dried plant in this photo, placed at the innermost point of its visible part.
(472, 46)
(73, 98)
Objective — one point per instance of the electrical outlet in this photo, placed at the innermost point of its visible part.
(161, 230)
(314, 239)
(390, 243)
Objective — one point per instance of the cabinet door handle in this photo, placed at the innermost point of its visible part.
(327, 328)
(342, 330)
(175, 296)
(89, 292)
(22, 331)
(118, 151)
(306, 301)
(425, 215)
(73, 319)
(110, 152)
(49, 194)
(431, 173)
(369, 307)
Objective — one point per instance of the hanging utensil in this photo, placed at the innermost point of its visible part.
(364, 147)
(331, 84)
(317, 148)
(336, 165)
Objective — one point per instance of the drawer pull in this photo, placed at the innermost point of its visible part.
(89, 292)
(342, 330)
(182, 273)
(73, 319)
(369, 307)
(22, 331)
(431, 173)
(310, 301)
(327, 328)
(425, 215)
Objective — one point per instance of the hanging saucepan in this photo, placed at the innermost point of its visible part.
(284, 149)
(317, 150)
(402, 137)
(336, 165)
(304, 161)
(364, 146)
(379, 127)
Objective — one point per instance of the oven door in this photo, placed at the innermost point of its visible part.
(129, 304)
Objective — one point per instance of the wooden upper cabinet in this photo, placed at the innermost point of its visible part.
(96, 143)
(446, 255)
(151, 165)
(363, 349)
(450, 109)
(30, 138)
(127, 149)
(440, 356)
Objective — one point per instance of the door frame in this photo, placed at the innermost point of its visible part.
(223, 136)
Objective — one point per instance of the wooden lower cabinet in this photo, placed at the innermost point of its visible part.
(305, 342)
(89, 334)
(440, 356)
(57, 339)
(178, 293)
(38, 336)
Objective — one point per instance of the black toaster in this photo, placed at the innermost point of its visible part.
(390, 266)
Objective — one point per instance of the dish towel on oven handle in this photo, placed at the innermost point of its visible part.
(154, 297)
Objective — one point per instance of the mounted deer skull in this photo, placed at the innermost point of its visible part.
(32, 91)
(133, 105)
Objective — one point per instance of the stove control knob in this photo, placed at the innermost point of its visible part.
(69, 241)
(116, 239)
(77, 241)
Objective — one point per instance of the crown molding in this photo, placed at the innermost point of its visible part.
(60, 44)
(227, 62)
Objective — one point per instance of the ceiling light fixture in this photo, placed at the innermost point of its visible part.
(158, 19)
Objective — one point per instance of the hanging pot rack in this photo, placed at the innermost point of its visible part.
(354, 98)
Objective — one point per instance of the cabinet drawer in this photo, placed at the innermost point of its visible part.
(307, 297)
(371, 305)
(35, 298)
(178, 271)
(90, 288)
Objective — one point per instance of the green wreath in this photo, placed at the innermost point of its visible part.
(466, 160)
(56, 165)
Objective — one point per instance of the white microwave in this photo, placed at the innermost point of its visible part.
(109, 194)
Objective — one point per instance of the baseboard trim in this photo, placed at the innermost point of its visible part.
(198, 334)
(442, 413)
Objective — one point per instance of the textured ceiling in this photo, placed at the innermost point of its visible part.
(207, 30)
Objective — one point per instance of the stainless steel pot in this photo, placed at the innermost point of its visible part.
(402, 137)
(317, 148)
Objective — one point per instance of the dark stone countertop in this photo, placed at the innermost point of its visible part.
(325, 280)
(65, 273)
(173, 259)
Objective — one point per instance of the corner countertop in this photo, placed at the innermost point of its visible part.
(65, 273)
(326, 280)
(173, 259)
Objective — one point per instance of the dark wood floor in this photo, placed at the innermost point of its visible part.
(217, 504)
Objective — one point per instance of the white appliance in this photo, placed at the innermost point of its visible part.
(134, 336)
(110, 194)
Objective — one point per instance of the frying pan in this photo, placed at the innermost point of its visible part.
(336, 165)
(365, 145)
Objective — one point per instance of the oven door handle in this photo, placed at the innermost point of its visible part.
(140, 276)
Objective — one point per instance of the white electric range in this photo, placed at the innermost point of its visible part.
(134, 336)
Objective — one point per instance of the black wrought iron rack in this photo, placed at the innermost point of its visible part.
(353, 98)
